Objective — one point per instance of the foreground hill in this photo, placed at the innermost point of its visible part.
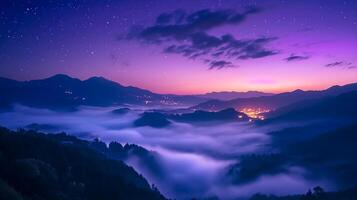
(324, 154)
(64, 92)
(275, 101)
(40, 166)
(316, 194)
(330, 154)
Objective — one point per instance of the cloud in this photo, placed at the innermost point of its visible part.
(193, 159)
(294, 57)
(180, 25)
(219, 64)
(339, 64)
(187, 34)
(177, 16)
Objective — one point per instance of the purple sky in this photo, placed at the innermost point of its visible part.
(193, 47)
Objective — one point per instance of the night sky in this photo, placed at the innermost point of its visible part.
(183, 47)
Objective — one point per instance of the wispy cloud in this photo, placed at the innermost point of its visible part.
(219, 64)
(338, 64)
(187, 34)
(294, 57)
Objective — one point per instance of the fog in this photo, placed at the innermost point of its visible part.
(194, 158)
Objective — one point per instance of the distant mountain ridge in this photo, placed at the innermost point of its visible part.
(64, 92)
(341, 106)
(275, 101)
(229, 95)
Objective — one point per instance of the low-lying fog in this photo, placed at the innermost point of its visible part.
(194, 158)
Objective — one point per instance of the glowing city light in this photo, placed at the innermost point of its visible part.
(255, 113)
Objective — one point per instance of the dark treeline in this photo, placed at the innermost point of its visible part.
(316, 194)
(57, 166)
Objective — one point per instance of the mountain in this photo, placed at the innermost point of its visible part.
(316, 194)
(318, 149)
(120, 111)
(275, 101)
(327, 154)
(64, 92)
(153, 119)
(225, 96)
(331, 153)
(342, 106)
(228, 114)
(149, 160)
(55, 166)
(157, 119)
(251, 167)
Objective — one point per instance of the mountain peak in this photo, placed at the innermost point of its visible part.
(60, 76)
(101, 80)
(298, 91)
(229, 95)
(98, 78)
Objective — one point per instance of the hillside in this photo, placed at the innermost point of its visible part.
(275, 101)
(336, 107)
(39, 166)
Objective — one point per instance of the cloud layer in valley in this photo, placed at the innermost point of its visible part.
(194, 158)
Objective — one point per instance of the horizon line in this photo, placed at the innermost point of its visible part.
(182, 94)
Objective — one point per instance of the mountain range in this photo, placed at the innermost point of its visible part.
(275, 101)
(64, 92)
(225, 96)
(341, 106)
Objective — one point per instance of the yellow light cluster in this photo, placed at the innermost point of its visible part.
(255, 113)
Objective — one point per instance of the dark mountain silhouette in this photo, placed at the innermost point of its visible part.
(42, 127)
(325, 154)
(317, 193)
(323, 149)
(332, 152)
(45, 166)
(114, 150)
(228, 114)
(120, 111)
(251, 167)
(5, 105)
(63, 92)
(275, 101)
(342, 107)
(225, 96)
(146, 159)
(153, 119)
(159, 120)
(284, 138)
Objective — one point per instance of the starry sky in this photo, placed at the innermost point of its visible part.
(183, 47)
